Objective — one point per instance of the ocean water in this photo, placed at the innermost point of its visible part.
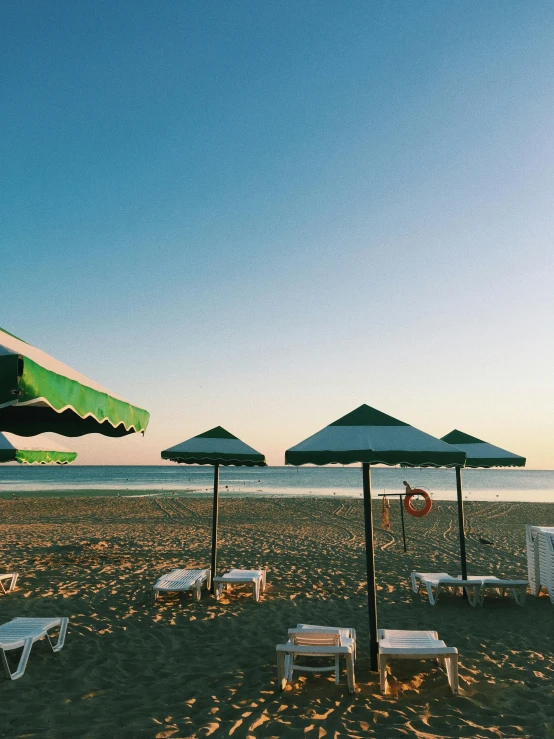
(509, 484)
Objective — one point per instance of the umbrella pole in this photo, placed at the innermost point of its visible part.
(401, 501)
(370, 563)
(214, 523)
(461, 524)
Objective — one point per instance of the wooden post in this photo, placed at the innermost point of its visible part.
(214, 524)
(461, 524)
(370, 563)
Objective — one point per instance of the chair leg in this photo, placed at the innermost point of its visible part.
(519, 595)
(11, 586)
(452, 672)
(197, 592)
(22, 661)
(288, 668)
(11, 583)
(281, 676)
(6, 666)
(383, 673)
(337, 670)
(474, 595)
(350, 673)
(61, 636)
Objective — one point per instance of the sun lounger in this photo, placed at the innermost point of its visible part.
(438, 580)
(178, 581)
(256, 578)
(23, 633)
(416, 645)
(518, 588)
(8, 581)
(317, 641)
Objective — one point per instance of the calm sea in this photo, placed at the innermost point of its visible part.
(513, 485)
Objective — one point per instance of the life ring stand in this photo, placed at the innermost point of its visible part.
(410, 493)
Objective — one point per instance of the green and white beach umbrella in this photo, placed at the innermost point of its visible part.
(371, 437)
(38, 393)
(217, 447)
(479, 454)
(39, 449)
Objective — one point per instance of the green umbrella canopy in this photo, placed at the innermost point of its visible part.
(37, 450)
(38, 393)
(481, 453)
(368, 435)
(216, 446)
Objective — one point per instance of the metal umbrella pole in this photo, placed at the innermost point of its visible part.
(401, 501)
(214, 523)
(461, 522)
(370, 563)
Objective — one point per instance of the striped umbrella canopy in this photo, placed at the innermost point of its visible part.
(38, 393)
(216, 447)
(479, 454)
(39, 449)
(369, 436)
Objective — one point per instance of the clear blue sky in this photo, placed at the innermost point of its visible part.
(262, 214)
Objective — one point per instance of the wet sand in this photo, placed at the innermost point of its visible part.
(132, 669)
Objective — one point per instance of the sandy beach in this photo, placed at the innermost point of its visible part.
(132, 668)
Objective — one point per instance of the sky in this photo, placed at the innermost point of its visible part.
(261, 215)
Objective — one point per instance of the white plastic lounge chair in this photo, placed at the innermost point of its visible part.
(317, 641)
(395, 644)
(540, 559)
(440, 580)
(257, 578)
(8, 581)
(178, 581)
(24, 632)
(518, 588)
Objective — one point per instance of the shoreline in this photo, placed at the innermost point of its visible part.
(511, 497)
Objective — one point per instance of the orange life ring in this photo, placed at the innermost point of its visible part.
(418, 512)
